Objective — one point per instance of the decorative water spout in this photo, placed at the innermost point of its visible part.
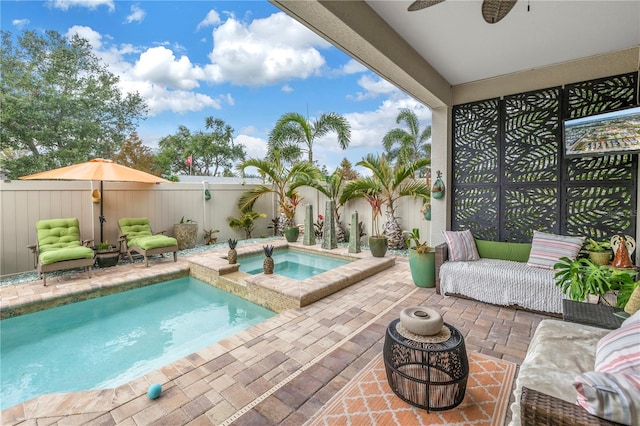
(329, 231)
(354, 234)
(309, 237)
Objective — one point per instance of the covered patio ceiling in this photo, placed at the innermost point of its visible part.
(447, 54)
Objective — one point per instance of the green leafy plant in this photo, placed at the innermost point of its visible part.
(209, 238)
(183, 220)
(597, 246)
(413, 241)
(581, 277)
(245, 222)
(103, 246)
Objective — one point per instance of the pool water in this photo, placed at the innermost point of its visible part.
(108, 341)
(293, 264)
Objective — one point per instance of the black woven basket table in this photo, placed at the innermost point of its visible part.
(424, 372)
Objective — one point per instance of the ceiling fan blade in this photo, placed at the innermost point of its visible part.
(494, 10)
(421, 4)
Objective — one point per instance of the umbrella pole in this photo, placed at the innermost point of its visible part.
(101, 217)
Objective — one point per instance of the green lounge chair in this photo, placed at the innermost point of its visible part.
(59, 247)
(137, 236)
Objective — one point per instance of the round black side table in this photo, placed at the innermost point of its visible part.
(432, 376)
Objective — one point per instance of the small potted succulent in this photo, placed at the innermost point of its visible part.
(422, 260)
(107, 255)
(267, 264)
(232, 255)
(599, 251)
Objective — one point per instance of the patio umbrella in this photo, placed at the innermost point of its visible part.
(97, 169)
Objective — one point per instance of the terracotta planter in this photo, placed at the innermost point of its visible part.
(186, 234)
(291, 234)
(378, 246)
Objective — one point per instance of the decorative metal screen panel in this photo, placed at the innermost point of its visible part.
(510, 175)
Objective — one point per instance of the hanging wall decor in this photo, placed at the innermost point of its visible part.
(426, 211)
(437, 191)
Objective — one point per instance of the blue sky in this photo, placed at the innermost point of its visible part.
(245, 62)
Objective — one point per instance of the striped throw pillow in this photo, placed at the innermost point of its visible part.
(462, 246)
(547, 249)
(615, 397)
(619, 350)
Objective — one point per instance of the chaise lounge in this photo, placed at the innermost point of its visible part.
(137, 235)
(59, 247)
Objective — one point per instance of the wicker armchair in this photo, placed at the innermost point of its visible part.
(537, 408)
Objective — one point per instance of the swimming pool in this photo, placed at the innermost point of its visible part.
(108, 341)
(294, 264)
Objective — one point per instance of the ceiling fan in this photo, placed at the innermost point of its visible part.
(492, 10)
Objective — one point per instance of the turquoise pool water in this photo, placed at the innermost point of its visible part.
(293, 264)
(108, 341)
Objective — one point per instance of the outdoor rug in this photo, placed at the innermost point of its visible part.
(368, 400)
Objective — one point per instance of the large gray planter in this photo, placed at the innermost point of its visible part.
(186, 234)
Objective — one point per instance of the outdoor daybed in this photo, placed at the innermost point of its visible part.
(580, 375)
(502, 273)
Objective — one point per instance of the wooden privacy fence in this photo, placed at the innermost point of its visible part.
(23, 203)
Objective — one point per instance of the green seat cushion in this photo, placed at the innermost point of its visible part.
(59, 240)
(134, 227)
(66, 253)
(148, 242)
(517, 252)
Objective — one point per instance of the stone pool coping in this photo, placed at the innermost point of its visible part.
(280, 293)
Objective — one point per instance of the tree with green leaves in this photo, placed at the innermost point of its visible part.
(136, 155)
(60, 104)
(346, 170)
(293, 134)
(331, 186)
(211, 153)
(387, 184)
(283, 182)
(407, 145)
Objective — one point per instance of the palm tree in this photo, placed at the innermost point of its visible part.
(293, 134)
(331, 187)
(412, 144)
(387, 184)
(284, 182)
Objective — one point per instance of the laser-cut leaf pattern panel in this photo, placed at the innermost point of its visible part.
(476, 209)
(510, 175)
(531, 137)
(475, 150)
(528, 208)
(600, 211)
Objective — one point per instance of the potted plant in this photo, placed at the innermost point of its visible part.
(378, 242)
(107, 255)
(209, 237)
(580, 278)
(232, 254)
(186, 232)
(599, 251)
(422, 260)
(291, 231)
(267, 264)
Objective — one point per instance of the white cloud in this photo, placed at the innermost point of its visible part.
(94, 38)
(266, 51)
(212, 19)
(158, 65)
(136, 15)
(374, 87)
(254, 147)
(287, 89)
(353, 67)
(20, 23)
(89, 4)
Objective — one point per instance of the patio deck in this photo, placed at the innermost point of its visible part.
(278, 372)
